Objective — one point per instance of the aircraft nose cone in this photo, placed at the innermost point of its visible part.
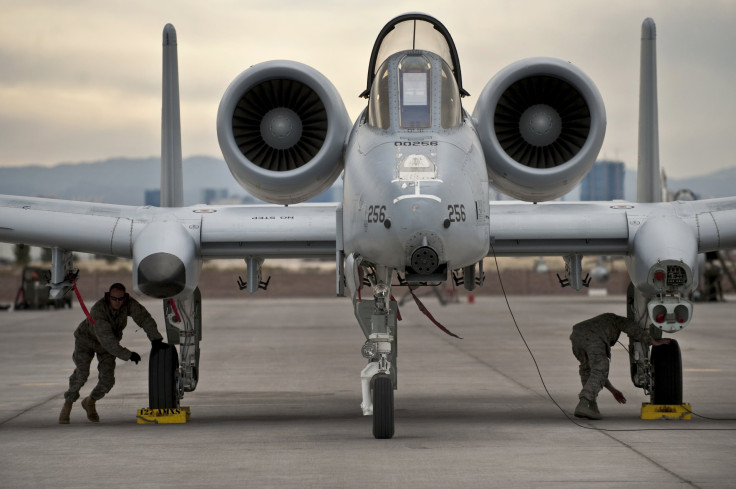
(540, 125)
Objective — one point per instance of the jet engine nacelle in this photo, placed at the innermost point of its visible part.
(282, 128)
(541, 122)
(165, 261)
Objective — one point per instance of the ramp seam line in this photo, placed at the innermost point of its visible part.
(24, 411)
(652, 461)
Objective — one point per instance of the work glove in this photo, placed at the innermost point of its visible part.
(156, 344)
(134, 357)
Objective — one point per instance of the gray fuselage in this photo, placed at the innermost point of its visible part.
(409, 188)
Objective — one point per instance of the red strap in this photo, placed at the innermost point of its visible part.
(360, 285)
(398, 313)
(429, 315)
(176, 311)
(81, 303)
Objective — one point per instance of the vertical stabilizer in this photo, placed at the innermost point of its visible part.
(172, 183)
(649, 185)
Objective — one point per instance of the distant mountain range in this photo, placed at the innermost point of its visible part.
(721, 183)
(125, 181)
(116, 181)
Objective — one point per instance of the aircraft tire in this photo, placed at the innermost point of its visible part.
(383, 407)
(667, 367)
(163, 370)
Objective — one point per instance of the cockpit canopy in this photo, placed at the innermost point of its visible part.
(414, 31)
(414, 90)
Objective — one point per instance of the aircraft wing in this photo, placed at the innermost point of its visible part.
(78, 226)
(605, 228)
(167, 244)
(218, 231)
(519, 228)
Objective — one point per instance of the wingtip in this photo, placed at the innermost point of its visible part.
(648, 29)
(169, 35)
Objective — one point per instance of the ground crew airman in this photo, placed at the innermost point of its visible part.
(100, 334)
(591, 344)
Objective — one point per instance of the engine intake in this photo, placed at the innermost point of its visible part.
(282, 126)
(530, 117)
(541, 122)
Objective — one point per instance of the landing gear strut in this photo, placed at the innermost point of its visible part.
(377, 319)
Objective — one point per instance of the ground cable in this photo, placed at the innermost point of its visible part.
(562, 410)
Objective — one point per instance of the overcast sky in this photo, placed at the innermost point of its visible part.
(80, 79)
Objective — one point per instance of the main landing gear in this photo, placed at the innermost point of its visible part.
(169, 374)
(377, 319)
(659, 374)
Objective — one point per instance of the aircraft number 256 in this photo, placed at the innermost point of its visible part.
(376, 213)
(457, 213)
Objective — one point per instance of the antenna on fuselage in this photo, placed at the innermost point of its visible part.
(648, 182)
(172, 183)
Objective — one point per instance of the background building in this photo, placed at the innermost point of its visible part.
(604, 182)
(153, 198)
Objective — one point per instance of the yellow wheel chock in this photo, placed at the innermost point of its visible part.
(164, 416)
(666, 411)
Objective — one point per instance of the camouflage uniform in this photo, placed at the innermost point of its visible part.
(103, 339)
(591, 344)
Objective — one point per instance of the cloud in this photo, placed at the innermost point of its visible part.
(81, 79)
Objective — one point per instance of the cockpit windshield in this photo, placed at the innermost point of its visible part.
(415, 35)
(414, 90)
(414, 32)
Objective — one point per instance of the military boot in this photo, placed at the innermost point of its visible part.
(89, 405)
(587, 409)
(66, 409)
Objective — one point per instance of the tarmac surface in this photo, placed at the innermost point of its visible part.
(278, 403)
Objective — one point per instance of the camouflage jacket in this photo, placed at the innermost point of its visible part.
(607, 328)
(106, 333)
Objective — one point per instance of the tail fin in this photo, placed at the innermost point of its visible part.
(172, 183)
(649, 184)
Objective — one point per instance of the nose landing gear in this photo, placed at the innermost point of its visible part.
(377, 320)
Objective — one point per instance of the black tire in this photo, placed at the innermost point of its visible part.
(383, 407)
(667, 369)
(163, 372)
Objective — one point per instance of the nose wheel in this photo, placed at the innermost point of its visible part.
(383, 407)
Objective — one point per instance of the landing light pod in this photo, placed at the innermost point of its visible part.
(670, 314)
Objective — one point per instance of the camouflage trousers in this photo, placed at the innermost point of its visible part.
(593, 355)
(82, 357)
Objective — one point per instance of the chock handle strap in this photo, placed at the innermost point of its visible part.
(429, 315)
(81, 303)
(398, 312)
(172, 302)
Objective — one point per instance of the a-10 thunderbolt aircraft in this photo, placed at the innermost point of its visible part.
(417, 168)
